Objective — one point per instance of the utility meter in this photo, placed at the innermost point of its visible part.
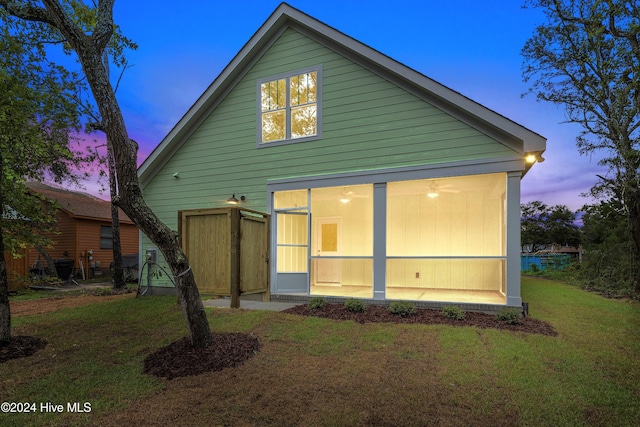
(151, 256)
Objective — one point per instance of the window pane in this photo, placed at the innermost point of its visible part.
(106, 243)
(303, 89)
(329, 237)
(274, 126)
(292, 229)
(459, 216)
(290, 199)
(303, 121)
(274, 95)
(106, 237)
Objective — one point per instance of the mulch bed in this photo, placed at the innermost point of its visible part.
(180, 359)
(376, 314)
(20, 346)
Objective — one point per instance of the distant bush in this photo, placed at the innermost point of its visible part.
(453, 312)
(355, 305)
(510, 316)
(402, 308)
(316, 302)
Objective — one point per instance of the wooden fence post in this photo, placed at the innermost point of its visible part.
(234, 274)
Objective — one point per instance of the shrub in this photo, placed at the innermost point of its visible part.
(355, 305)
(453, 312)
(402, 308)
(510, 316)
(317, 302)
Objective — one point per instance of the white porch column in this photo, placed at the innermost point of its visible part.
(514, 299)
(379, 240)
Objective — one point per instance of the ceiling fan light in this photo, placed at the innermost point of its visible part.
(432, 195)
(345, 200)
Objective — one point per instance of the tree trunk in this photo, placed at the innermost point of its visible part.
(130, 198)
(5, 311)
(89, 50)
(634, 220)
(118, 272)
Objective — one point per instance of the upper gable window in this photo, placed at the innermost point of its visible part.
(289, 107)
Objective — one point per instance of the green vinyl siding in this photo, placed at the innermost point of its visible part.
(368, 123)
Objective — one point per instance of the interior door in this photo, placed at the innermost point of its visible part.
(328, 243)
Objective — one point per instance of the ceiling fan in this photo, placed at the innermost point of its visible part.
(347, 196)
(434, 190)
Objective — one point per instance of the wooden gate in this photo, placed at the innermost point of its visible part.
(228, 249)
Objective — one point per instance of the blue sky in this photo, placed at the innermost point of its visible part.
(472, 47)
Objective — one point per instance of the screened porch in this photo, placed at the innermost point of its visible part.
(443, 240)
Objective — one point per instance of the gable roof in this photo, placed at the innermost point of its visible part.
(77, 204)
(500, 128)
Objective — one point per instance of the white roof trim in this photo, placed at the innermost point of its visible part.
(492, 123)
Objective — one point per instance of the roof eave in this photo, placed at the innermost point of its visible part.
(516, 136)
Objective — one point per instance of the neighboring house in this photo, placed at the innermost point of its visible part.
(381, 183)
(84, 232)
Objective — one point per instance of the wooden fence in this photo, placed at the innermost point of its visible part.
(228, 250)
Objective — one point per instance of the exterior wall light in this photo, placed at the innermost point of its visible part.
(533, 157)
(234, 201)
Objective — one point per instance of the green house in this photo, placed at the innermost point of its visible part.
(379, 183)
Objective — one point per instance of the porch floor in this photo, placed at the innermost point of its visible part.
(413, 294)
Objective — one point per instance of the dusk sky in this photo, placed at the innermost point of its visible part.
(469, 46)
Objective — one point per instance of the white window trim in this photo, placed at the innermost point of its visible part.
(289, 140)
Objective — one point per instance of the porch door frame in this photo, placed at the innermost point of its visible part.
(294, 282)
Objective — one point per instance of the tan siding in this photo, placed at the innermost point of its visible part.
(17, 269)
(76, 236)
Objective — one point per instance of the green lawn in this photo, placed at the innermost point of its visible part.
(321, 372)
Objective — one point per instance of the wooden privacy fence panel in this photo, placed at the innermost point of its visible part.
(254, 254)
(228, 248)
(207, 247)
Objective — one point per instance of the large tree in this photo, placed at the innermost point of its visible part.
(89, 44)
(586, 58)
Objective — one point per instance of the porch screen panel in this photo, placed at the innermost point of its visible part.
(294, 199)
(447, 233)
(342, 241)
(292, 242)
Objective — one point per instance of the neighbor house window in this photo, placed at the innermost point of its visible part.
(289, 106)
(106, 237)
